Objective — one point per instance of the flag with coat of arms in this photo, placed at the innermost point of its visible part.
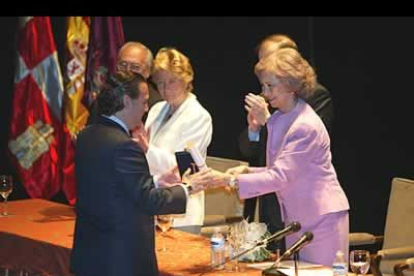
(37, 140)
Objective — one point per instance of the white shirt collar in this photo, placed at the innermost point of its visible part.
(118, 121)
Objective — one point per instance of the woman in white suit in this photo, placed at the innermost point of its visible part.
(175, 123)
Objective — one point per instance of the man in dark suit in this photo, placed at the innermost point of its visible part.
(117, 197)
(252, 142)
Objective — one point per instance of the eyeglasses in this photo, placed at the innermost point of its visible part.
(130, 66)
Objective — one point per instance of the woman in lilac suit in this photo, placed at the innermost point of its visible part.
(299, 167)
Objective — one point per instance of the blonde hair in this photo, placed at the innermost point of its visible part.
(293, 71)
(172, 60)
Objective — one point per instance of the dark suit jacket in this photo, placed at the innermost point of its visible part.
(114, 232)
(255, 152)
(321, 102)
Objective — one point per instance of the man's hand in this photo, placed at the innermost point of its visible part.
(169, 178)
(188, 178)
(254, 125)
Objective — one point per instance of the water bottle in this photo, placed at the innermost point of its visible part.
(217, 250)
(339, 266)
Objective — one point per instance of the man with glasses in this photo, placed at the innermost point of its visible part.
(133, 57)
(137, 58)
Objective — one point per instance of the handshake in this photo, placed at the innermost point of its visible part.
(202, 180)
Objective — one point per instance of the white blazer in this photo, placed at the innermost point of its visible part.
(190, 123)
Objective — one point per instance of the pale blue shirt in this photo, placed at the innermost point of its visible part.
(118, 121)
(254, 136)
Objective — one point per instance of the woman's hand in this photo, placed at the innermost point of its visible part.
(242, 169)
(257, 107)
(209, 179)
(140, 135)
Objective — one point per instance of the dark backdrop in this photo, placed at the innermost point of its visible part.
(366, 63)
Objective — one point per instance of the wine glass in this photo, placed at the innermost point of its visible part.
(164, 222)
(236, 236)
(359, 261)
(6, 187)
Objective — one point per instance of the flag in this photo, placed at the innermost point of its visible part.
(92, 48)
(75, 113)
(36, 129)
(77, 40)
(106, 38)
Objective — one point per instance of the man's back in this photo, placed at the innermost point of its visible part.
(114, 233)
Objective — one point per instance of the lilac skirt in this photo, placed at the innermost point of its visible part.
(330, 234)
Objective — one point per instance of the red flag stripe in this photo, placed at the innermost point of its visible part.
(40, 40)
(42, 179)
(36, 132)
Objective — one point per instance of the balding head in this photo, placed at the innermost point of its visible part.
(273, 43)
(135, 57)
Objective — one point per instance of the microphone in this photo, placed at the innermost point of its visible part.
(291, 228)
(306, 238)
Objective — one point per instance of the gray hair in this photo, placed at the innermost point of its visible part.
(139, 45)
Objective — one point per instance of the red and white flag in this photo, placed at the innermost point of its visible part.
(36, 131)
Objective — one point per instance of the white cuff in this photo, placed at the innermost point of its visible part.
(185, 190)
(156, 178)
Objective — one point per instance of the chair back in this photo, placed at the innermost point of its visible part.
(220, 201)
(399, 225)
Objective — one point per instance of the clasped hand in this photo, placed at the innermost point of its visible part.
(211, 178)
(206, 179)
(201, 180)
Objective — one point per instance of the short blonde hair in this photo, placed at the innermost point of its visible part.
(294, 71)
(172, 60)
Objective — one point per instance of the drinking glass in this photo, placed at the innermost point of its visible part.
(164, 222)
(6, 187)
(236, 237)
(359, 261)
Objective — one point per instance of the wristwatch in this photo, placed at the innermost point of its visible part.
(234, 183)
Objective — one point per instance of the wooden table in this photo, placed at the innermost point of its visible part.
(37, 238)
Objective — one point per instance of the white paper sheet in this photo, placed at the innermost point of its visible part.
(288, 264)
(322, 271)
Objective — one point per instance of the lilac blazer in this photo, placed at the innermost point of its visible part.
(299, 167)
